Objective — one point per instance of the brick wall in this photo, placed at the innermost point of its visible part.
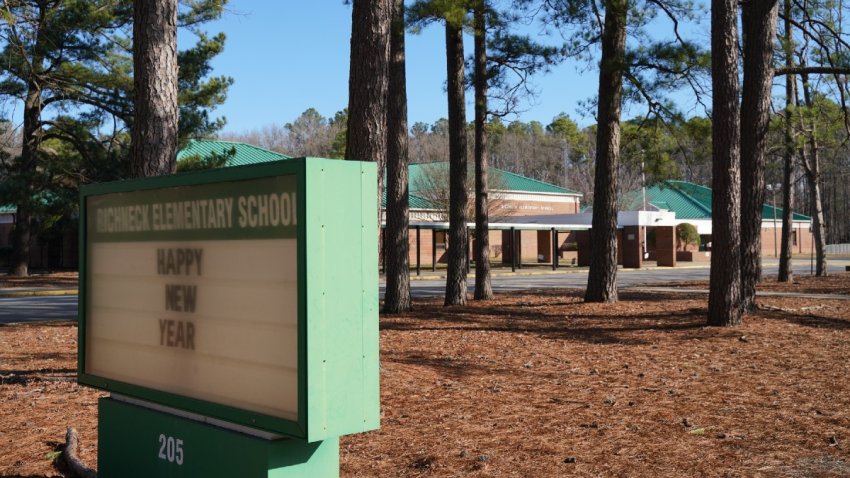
(426, 247)
(496, 248)
(803, 240)
(538, 243)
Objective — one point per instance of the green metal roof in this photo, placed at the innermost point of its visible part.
(245, 153)
(8, 209)
(418, 177)
(497, 178)
(687, 200)
(415, 202)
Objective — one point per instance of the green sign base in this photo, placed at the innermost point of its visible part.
(135, 441)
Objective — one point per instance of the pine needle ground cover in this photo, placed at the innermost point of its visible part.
(540, 384)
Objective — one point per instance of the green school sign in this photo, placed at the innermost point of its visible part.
(245, 297)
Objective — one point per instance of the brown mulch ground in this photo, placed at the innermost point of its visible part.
(835, 283)
(40, 279)
(39, 398)
(541, 385)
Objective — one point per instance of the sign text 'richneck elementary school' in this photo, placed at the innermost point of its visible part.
(255, 210)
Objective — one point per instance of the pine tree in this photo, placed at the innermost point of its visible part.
(70, 60)
(602, 279)
(644, 74)
(483, 289)
(43, 42)
(786, 272)
(458, 195)
(454, 15)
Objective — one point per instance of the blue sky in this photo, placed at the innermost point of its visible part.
(287, 56)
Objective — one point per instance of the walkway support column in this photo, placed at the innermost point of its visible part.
(632, 250)
(584, 248)
(418, 250)
(665, 246)
(554, 249)
(433, 250)
(513, 250)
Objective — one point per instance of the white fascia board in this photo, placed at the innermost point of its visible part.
(546, 197)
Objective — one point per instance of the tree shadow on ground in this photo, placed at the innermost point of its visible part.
(31, 356)
(59, 323)
(807, 320)
(567, 320)
(573, 331)
(24, 377)
(30, 476)
(452, 367)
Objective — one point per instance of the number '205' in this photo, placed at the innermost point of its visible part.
(170, 449)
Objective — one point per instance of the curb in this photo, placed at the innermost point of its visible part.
(32, 293)
(436, 276)
(520, 272)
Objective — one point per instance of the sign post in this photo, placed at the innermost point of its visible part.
(232, 314)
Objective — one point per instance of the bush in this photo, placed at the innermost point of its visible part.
(686, 234)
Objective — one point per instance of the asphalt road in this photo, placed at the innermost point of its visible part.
(578, 279)
(35, 308)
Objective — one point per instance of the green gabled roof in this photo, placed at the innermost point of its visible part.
(498, 179)
(415, 202)
(687, 200)
(245, 153)
(8, 209)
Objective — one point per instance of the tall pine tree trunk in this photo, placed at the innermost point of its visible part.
(155, 87)
(28, 161)
(26, 168)
(786, 271)
(811, 167)
(458, 195)
(483, 289)
(21, 237)
(397, 245)
(602, 279)
(724, 299)
(818, 228)
(759, 26)
(368, 79)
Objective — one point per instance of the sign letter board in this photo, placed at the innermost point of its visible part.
(244, 294)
